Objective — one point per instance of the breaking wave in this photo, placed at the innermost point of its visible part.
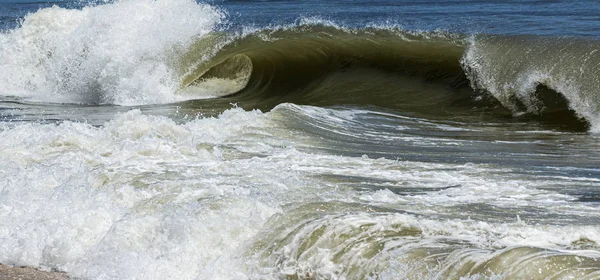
(117, 53)
(152, 52)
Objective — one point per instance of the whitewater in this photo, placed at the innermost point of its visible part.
(174, 139)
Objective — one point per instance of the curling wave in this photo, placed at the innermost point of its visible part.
(174, 51)
(435, 74)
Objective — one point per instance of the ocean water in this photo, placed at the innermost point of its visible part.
(174, 139)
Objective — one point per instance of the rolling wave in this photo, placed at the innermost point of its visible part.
(434, 74)
(97, 55)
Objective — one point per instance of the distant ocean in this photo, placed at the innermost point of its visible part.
(172, 139)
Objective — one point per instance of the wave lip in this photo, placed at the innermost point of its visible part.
(222, 79)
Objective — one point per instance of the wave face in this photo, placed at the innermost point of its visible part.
(423, 73)
(320, 64)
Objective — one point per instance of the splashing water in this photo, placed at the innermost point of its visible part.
(119, 53)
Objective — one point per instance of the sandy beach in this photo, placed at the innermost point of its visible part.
(25, 273)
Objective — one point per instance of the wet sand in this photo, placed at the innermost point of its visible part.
(26, 273)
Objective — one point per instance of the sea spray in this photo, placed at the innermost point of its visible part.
(117, 53)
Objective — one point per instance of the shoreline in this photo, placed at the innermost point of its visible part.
(25, 273)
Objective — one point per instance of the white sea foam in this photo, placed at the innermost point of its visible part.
(118, 53)
(137, 198)
(145, 197)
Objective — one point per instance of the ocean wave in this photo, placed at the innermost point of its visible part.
(154, 52)
(433, 73)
